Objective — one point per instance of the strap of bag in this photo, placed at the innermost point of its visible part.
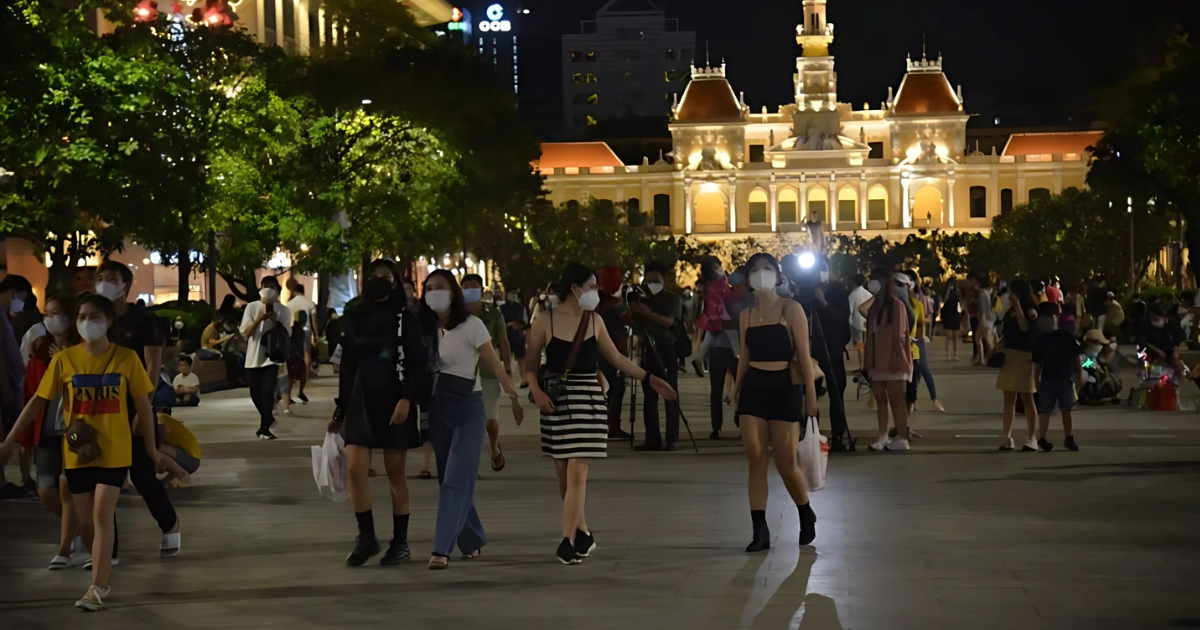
(575, 345)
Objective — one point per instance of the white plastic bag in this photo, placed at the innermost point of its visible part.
(813, 454)
(329, 468)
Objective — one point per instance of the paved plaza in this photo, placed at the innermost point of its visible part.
(950, 535)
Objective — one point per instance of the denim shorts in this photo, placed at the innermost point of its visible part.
(1055, 393)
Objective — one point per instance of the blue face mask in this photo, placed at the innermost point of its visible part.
(736, 278)
(782, 290)
(472, 296)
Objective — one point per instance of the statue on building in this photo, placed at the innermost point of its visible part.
(708, 160)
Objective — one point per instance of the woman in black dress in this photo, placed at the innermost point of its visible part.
(384, 377)
(951, 319)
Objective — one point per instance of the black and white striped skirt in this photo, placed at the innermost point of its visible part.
(579, 425)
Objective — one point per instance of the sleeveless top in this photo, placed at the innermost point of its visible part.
(559, 350)
(768, 343)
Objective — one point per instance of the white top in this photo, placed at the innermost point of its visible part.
(35, 332)
(857, 297)
(301, 304)
(256, 353)
(458, 349)
(191, 380)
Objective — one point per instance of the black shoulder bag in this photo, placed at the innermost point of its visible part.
(551, 381)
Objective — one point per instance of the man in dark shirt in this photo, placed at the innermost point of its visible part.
(1057, 369)
(654, 316)
(614, 312)
(1161, 338)
(139, 330)
(516, 321)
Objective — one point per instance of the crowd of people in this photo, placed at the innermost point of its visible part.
(84, 391)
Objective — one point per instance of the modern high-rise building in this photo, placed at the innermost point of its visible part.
(631, 61)
(495, 33)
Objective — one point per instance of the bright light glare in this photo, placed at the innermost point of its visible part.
(366, 101)
(807, 260)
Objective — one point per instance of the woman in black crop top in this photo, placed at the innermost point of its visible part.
(775, 393)
(575, 427)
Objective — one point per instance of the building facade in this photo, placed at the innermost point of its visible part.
(887, 171)
(631, 60)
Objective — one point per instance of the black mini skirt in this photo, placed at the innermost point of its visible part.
(770, 395)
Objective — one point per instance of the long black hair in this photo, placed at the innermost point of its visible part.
(1024, 292)
(881, 308)
(458, 308)
(572, 274)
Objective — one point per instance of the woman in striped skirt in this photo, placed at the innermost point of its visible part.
(575, 422)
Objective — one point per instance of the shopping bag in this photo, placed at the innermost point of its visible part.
(813, 454)
(329, 468)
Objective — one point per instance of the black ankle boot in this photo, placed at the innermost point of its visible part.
(762, 534)
(808, 523)
(363, 550)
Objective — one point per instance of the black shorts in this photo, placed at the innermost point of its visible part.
(373, 428)
(85, 480)
(770, 395)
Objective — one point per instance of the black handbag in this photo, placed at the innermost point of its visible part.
(551, 381)
(279, 344)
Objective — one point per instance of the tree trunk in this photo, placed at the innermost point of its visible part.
(184, 267)
(242, 286)
(211, 259)
(61, 273)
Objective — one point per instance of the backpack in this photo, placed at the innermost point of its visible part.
(278, 343)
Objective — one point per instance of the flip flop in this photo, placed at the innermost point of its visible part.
(424, 474)
(499, 458)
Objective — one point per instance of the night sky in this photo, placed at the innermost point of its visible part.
(1034, 62)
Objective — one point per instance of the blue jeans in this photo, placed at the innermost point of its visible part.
(456, 430)
(923, 364)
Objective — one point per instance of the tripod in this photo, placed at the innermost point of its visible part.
(641, 335)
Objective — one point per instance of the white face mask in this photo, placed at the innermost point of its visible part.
(438, 300)
(268, 294)
(57, 324)
(552, 300)
(16, 305)
(763, 280)
(873, 287)
(179, 325)
(655, 287)
(90, 330)
(110, 290)
(589, 300)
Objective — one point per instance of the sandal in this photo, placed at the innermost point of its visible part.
(424, 474)
(439, 563)
(472, 556)
(498, 461)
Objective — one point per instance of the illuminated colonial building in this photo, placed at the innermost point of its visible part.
(885, 171)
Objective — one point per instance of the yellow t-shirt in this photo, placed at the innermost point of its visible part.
(918, 329)
(96, 389)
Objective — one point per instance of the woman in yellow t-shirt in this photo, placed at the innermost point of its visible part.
(95, 379)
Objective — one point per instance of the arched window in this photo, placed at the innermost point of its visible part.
(758, 206)
(847, 205)
(787, 206)
(818, 202)
(978, 202)
(633, 212)
(1006, 200)
(927, 206)
(662, 210)
(877, 201)
(711, 212)
(1039, 194)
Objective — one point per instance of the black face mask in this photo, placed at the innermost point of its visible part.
(377, 289)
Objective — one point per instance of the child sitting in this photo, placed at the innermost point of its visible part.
(186, 384)
(180, 447)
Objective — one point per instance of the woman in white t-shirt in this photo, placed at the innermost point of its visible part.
(456, 417)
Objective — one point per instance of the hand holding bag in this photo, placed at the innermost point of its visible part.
(329, 468)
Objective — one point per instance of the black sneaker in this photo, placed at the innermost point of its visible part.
(669, 446)
(696, 365)
(1044, 446)
(585, 543)
(397, 553)
(619, 436)
(265, 434)
(363, 550)
(1070, 444)
(566, 552)
(715, 435)
(303, 399)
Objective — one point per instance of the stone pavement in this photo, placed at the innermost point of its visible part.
(950, 535)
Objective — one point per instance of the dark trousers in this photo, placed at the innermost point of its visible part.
(263, 382)
(142, 474)
(910, 389)
(720, 362)
(616, 393)
(833, 363)
(650, 407)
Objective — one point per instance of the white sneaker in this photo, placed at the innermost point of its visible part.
(1030, 446)
(1006, 444)
(897, 444)
(879, 444)
(59, 563)
(93, 599)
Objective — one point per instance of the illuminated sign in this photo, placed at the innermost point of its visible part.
(456, 14)
(495, 20)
